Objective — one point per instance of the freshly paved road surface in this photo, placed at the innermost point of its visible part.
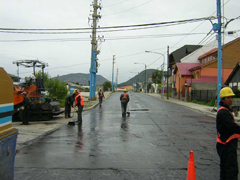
(148, 145)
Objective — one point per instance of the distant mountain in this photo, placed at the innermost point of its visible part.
(141, 77)
(82, 79)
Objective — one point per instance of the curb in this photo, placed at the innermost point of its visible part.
(29, 142)
(94, 105)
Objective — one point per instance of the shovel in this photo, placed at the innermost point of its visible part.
(73, 122)
(128, 112)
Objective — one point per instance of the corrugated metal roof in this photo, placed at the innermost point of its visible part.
(185, 67)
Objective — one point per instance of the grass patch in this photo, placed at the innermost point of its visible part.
(211, 103)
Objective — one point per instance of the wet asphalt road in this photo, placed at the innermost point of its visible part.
(148, 145)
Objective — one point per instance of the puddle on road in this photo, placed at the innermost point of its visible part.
(206, 122)
(140, 109)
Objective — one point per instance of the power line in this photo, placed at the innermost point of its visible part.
(111, 38)
(116, 3)
(108, 29)
(211, 29)
(130, 8)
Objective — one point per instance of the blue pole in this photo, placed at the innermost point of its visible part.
(219, 79)
(93, 75)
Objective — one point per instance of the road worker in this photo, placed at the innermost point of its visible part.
(100, 96)
(227, 136)
(79, 103)
(25, 109)
(124, 98)
(68, 104)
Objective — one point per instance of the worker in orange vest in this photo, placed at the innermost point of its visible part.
(79, 103)
(100, 96)
(124, 98)
(227, 136)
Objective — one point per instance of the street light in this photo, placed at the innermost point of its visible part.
(163, 67)
(145, 73)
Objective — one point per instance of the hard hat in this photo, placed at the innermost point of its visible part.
(125, 90)
(100, 89)
(226, 92)
(23, 93)
(75, 90)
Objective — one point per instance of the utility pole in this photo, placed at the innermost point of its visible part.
(217, 28)
(117, 81)
(94, 52)
(146, 76)
(113, 72)
(167, 68)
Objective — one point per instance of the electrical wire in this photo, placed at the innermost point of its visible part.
(130, 8)
(108, 29)
(115, 4)
(109, 39)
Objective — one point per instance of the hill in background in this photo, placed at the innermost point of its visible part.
(82, 79)
(141, 77)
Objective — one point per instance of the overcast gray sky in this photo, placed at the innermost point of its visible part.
(71, 53)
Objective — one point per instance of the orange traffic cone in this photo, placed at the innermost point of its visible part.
(191, 167)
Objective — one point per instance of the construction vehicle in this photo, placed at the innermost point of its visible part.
(40, 108)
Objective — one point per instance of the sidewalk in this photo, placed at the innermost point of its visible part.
(28, 134)
(197, 107)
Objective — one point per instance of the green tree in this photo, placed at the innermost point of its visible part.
(107, 84)
(157, 76)
(55, 88)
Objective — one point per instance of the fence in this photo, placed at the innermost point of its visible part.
(203, 95)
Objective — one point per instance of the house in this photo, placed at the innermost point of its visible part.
(72, 86)
(200, 81)
(174, 58)
(182, 74)
(180, 53)
(193, 57)
(233, 79)
(15, 78)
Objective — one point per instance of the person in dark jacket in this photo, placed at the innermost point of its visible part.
(79, 103)
(68, 104)
(227, 137)
(100, 96)
(25, 109)
(124, 98)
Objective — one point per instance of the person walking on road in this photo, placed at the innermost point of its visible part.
(25, 109)
(124, 98)
(227, 136)
(68, 104)
(100, 96)
(79, 103)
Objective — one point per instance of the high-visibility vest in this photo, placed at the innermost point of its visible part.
(124, 97)
(101, 94)
(81, 99)
(234, 136)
